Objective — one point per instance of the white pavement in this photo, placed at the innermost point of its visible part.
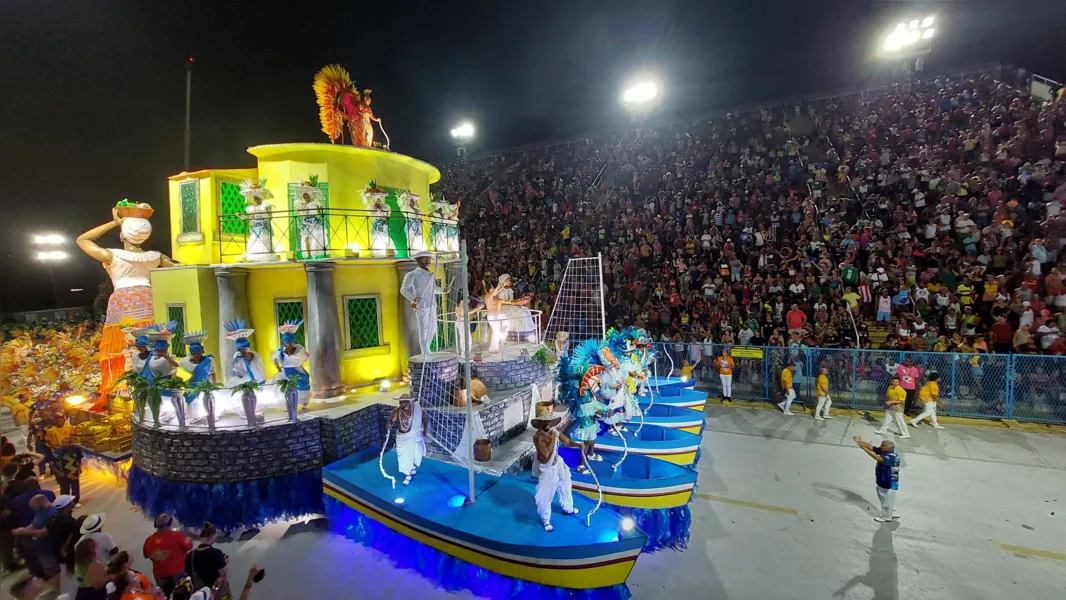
(784, 511)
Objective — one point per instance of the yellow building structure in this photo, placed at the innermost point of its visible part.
(355, 326)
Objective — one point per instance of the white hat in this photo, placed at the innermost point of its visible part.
(422, 254)
(63, 501)
(309, 187)
(251, 187)
(93, 523)
(502, 278)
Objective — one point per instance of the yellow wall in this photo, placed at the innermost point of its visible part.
(205, 251)
(265, 286)
(367, 364)
(195, 287)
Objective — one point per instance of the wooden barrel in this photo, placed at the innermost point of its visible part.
(482, 450)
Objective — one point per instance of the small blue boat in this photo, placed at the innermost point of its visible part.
(639, 482)
(672, 445)
(679, 396)
(668, 415)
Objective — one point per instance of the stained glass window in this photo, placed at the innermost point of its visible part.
(232, 208)
(176, 313)
(190, 206)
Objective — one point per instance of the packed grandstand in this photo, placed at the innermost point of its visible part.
(925, 216)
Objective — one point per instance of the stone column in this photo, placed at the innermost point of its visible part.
(232, 304)
(408, 320)
(323, 330)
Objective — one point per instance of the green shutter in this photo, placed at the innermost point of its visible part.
(232, 208)
(291, 310)
(176, 313)
(294, 222)
(190, 206)
(362, 314)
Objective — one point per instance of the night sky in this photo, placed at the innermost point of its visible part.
(92, 92)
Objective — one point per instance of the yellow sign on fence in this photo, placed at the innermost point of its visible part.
(747, 352)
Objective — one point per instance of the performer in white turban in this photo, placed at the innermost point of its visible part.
(201, 367)
(130, 305)
(416, 242)
(308, 204)
(259, 246)
(554, 476)
(410, 436)
(419, 288)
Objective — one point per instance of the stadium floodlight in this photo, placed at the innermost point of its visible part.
(642, 93)
(51, 255)
(48, 239)
(464, 132)
(906, 39)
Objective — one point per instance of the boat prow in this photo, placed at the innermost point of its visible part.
(639, 481)
(678, 396)
(671, 445)
(667, 415)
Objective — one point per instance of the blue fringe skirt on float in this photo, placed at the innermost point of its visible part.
(229, 506)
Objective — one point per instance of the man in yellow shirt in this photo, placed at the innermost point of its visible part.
(821, 387)
(786, 389)
(725, 373)
(929, 395)
(895, 399)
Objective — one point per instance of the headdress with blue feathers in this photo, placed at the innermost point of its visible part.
(237, 329)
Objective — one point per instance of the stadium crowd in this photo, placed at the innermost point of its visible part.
(928, 217)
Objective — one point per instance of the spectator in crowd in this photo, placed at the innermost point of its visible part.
(89, 571)
(7, 451)
(167, 548)
(886, 476)
(946, 200)
(206, 564)
(33, 542)
(908, 374)
(63, 530)
(725, 374)
(68, 459)
(92, 528)
(128, 584)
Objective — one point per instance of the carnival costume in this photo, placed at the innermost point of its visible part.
(198, 371)
(381, 242)
(438, 229)
(584, 377)
(292, 365)
(130, 305)
(553, 476)
(244, 369)
(259, 246)
(309, 207)
(416, 242)
(410, 443)
(519, 318)
(154, 367)
(419, 284)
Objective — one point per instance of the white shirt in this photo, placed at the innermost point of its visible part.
(419, 283)
(132, 269)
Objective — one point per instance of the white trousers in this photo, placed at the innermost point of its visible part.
(894, 416)
(410, 448)
(790, 397)
(554, 480)
(824, 402)
(887, 499)
(499, 326)
(427, 324)
(727, 385)
(928, 411)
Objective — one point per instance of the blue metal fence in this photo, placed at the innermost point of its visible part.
(992, 386)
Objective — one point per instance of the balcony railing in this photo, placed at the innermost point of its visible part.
(332, 233)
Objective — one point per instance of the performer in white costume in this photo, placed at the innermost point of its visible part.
(615, 383)
(554, 475)
(451, 214)
(419, 287)
(158, 363)
(259, 246)
(416, 242)
(462, 322)
(247, 364)
(518, 315)
(309, 209)
(410, 436)
(500, 323)
(381, 243)
(290, 359)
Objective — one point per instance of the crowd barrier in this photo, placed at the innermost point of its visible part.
(992, 386)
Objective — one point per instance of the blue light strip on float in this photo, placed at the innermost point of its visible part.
(450, 573)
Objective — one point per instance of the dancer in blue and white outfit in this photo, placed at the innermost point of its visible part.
(247, 364)
(290, 359)
(158, 363)
(201, 367)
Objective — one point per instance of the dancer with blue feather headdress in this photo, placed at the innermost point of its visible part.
(247, 364)
(290, 359)
(200, 366)
(157, 363)
(584, 376)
